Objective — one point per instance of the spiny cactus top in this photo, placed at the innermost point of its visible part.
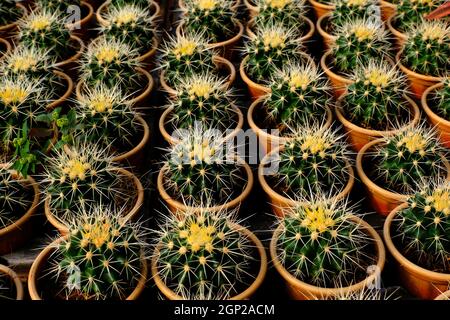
(271, 49)
(376, 98)
(111, 62)
(299, 95)
(348, 10)
(286, 12)
(439, 100)
(214, 18)
(203, 98)
(15, 197)
(423, 228)
(62, 6)
(204, 256)
(9, 12)
(102, 256)
(317, 160)
(185, 55)
(321, 245)
(407, 158)
(427, 49)
(130, 24)
(357, 42)
(105, 117)
(47, 31)
(411, 12)
(202, 170)
(142, 3)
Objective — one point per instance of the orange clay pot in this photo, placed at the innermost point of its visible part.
(400, 37)
(328, 39)
(339, 83)
(387, 10)
(256, 90)
(69, 89)
(82, 28)
(69, 66)
(8, 31)
(5, 271)
(321, 9)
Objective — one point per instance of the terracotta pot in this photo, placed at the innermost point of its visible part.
(328, 39)
(37, 272)
(176, 206)
(338, 82)
(246, 294)
(104, 7)
(70, 65)
(268, 141)
(308, 35)
(252, 9)
(321, 9)
(442, 125)
(419, 82)
(17, 233)
(444, 296)
(69, 88)
(168, 137)
(280, 203)
(300, 290)
(400, 37)
(359, 136)
(137, 102)
(8, 31)
(6, 46)
(5, 271)
(387, 10)
(418, 281)
(132, 214)
(256, 90)
(221, 63)
(81, 28)
(382, 200)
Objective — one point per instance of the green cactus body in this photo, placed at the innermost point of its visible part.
(142, 3)
(130, 24)
(9, 12)
(214, 18)
(376, 98)
(62, 6)
(204, 256)
(427, 49)
(321, 245)
(440, 100)
(299, 95)
(407, 158)
(101, 258)
(288, 13)
(46, 31)
(411, 12)
(357, 42)
(350, 10)
(315, 161)
(423, 228)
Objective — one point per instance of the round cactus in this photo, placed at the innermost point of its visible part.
(204, 256)
(62, 6)
(288, 13)
(321, 245)
(427, 49)
(376, 98)
(142, 3)
(9, 12)
(441, 100)
(411, 12)
(350, 10)
(299, 95)
(214, 18)
(102, 256)
(423, 227)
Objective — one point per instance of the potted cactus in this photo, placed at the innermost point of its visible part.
(19, 198)
(102, 258)
(207, 255)
(299, 94)
(188, 54)
(390, 167)
(10, 285)
(322, 249)
(216, 19)
(202, 170)
(85, 174)
(425, 57)
(356, 43)
(270, 49)
(436, 103)
(10, 13)
(114, 63)
(315, 160)
(376, 103)
(203, 99)
(416, 234)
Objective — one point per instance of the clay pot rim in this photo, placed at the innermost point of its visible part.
(251, 7)
(150, 53)
(259, 131)
(47, 251)
(394, 31)
(7, 45)
(139, 196)
(291, 202)
(241, 296)
(217, 60)
(17, 225)
(227, 205)
(430, 113)
(76, 56)
(325, 35)
(402, 260)
(247, 79)
(140, 145)
(66, 95)
(444, 296)
(377, 133)
(84, 20)
(372, 185)
(133, 101)
(322, 5)
(15, 278)
(409, 72)
(13, 24)
(104, 5)
(329, 72)
(321, 292)
(172, 141)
